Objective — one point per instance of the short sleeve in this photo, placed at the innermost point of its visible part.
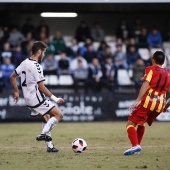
(148, 75)
(38, 73)
(18, 70)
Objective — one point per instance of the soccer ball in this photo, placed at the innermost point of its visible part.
(79, 145)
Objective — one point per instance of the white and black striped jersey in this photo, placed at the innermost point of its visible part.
(31, 74)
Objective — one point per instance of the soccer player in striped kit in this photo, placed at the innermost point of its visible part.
(149, 103)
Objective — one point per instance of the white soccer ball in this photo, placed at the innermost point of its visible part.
(79, 145)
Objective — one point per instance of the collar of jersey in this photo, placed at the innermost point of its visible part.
(32, 59)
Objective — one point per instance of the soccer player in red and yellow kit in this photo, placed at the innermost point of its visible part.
(150, 101)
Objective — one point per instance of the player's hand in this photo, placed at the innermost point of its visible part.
(60, 101)
(16, 97)
(134, 105)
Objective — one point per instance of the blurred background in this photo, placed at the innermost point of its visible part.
(96, 54)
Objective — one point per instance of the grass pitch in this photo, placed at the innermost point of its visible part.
(106, 143)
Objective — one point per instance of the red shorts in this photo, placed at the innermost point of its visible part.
(141, 115)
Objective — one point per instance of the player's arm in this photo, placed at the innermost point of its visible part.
(146, 80)
(44, 90)
(168, 102)
(13, 81)
(142, 92)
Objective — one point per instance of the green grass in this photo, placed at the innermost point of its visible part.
(106, 142)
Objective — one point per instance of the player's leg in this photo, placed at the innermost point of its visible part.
(42, 111)
(45, 119)
(132, 134)
(141, 127)
(56, 117)
(152, 117)
(138, 116)
(48, 108)
(140, 132)
(50, 146)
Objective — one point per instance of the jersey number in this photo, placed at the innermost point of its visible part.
(24, 82)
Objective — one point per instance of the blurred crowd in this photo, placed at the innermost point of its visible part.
(88, 58)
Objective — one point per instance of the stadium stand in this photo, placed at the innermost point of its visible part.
(70, 47)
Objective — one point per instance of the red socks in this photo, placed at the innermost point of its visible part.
(132, 134)
(140, 132)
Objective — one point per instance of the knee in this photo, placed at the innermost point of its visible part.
(59, 116)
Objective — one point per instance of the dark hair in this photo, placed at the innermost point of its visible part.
(159, 57)
(38, 45)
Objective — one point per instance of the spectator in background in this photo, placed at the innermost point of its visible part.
(97, 32)
(58, 43)
(101, 51)
(18, 56)
(50, 64)
(26, 48)
(73, 49)
(42, 28)
(7, 68)
(15, 37)
(30, 44)
(138, 72)
(142, 39)
(50, 47)
(80, 72)
(107, 53)
(83, 49)
(102, 46)
(95, 75)
(74, 64)
(6, 52)
(132, 56)
(132, 42)
(28, 27)
(119, 41)
(155, 39)
(137, 27)
(28, 37)
(4, 37)
(120, 58)
(90, 53)
(123, 31)
(63, 64)
(82, 32)
(42, 35)
(109, 74)
(25, 43)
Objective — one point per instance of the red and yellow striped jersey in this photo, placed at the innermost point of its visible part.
(159, 84)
